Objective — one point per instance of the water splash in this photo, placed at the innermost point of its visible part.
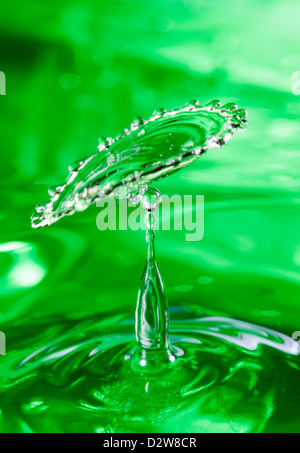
(149, 150)
(111, 376)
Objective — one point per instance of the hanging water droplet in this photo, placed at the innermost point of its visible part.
(230, 107)
(137, 121)
(40, 207)
(241, 113)
(151, 199)
(214, 104)
(102, 143)
(192, 104)
(52, 191)
(157, 114)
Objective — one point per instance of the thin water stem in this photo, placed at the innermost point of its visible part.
(152, 314)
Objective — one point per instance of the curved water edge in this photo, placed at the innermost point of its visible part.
(147, 151)
(81, 375)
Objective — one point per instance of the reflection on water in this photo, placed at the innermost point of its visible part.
(24, 271)
(231, 376)
(28, 270)
(77, 376)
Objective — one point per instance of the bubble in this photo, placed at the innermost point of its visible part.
(151, 199)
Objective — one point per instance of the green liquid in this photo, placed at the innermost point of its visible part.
(79, 69)
(195, 373)
(82, 376)
(208, 374)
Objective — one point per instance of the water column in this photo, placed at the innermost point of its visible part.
(152, 314)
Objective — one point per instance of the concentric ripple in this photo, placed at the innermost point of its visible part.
(85, 375)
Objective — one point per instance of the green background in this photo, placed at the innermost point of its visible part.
(77, 70)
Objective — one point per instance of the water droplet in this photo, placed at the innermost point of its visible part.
(215, 104)
(102, 143)
(138, 120)
(157, 114)
(230, 107)
(151, 199)
(192, 104)
(241, 113)
(40, 207)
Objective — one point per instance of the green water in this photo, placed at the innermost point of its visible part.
(80, 376)
(79, 71)
(205, 374)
